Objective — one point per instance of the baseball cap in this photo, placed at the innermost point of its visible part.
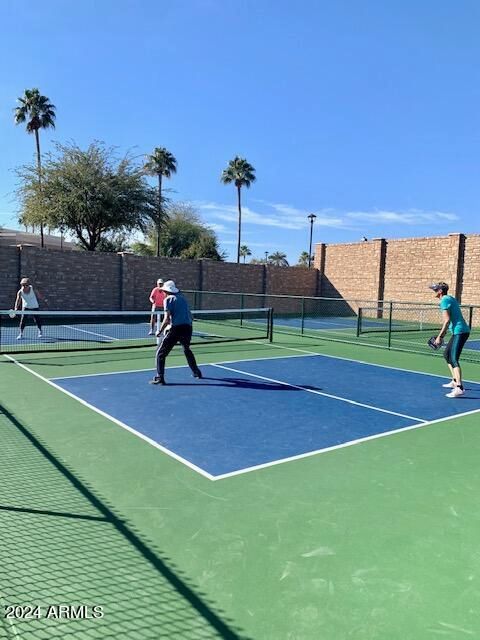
(439, 286)
(25, 281)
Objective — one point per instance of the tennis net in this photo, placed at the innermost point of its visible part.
(79, 330)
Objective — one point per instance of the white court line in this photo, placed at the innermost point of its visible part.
(265, 465)
(320, 393)
(350, 443)
(176, 366)
(112, 419)
(370, 364)
(93, 333)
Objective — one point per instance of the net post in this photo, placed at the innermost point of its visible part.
(270, 324)
(241, 307)
(390, 313)
(359, 322)
(470, 317)
(303, 316)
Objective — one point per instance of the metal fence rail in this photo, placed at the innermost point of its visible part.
(396, 325)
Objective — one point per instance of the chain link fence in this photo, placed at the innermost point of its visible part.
(405, 326)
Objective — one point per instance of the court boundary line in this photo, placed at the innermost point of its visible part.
(125, 426)
(320, 393)
(93, 333)
(175, 366)
(245, 470)
(371, 364)
(343, 445)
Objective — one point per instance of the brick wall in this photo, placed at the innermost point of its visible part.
(471, 271)
(351, 271)
(73, 279)
(9, 276)
(412, 264)
(378, 269)
(401, 269)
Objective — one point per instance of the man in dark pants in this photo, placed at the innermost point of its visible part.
(176, 327)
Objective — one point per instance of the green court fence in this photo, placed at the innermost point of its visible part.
(405, 326)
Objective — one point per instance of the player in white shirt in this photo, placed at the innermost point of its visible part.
(27, 301)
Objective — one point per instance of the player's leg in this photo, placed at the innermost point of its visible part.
(448, 355)
(458, 343)
(185, 338)
(38, 322)
(21, 327)
(163, 349)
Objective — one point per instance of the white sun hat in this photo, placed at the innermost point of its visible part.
(169, 287)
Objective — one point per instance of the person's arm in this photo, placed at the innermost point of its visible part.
(443, 330)
(167, 319)
(17, 302)
(151, 296)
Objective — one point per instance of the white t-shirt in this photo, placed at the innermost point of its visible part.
(29, 300)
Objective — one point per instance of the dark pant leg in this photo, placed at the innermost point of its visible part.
(38, 322)
(168, 342)
(185, 338)
(23, 320)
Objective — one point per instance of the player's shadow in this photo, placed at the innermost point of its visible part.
(242, 383)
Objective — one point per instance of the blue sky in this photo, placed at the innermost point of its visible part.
(364, 113)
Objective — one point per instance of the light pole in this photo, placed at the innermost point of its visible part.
(266, 257)
(312, 217)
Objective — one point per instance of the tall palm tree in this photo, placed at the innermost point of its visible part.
(39, 113)
(162, 164)
(242, 174)
(244, 252)
(303, 259)
(278, 258)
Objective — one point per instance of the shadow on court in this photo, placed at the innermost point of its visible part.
(242, 383)
(61, 544)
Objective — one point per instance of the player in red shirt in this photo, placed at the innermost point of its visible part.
(156, 298)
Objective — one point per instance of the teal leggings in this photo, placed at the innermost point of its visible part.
(454, 348)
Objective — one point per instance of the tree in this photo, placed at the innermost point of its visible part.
(39, 113)
(278, 258)
(244, 252)
(183, 236)
(303, 259)
(242, 174)
(160, 164)
(90, 194)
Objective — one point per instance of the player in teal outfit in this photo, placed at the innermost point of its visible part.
(454, 321)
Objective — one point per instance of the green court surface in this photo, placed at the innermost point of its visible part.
(377, 541)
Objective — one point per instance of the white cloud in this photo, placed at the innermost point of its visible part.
(410, 217)
(277, 215)
(288, 217)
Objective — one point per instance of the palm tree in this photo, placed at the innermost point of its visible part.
(242, 174)
(162, 164)
(303, 259)
(244, 252)
(39, 113)
(278, 258)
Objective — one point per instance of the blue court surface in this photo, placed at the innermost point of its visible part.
(246, 414)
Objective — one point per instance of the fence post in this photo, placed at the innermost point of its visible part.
(390, 325)
(470, 318)
(359, 321)
(303, 315)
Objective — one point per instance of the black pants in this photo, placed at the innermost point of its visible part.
(23, 320)
(181, 333)
(454, 348)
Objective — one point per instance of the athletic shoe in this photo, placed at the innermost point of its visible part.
(449, 385)
(157, 380)
(455, 393)
(20, 336)
(198, 374)
(40, 334)
(151, 333)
